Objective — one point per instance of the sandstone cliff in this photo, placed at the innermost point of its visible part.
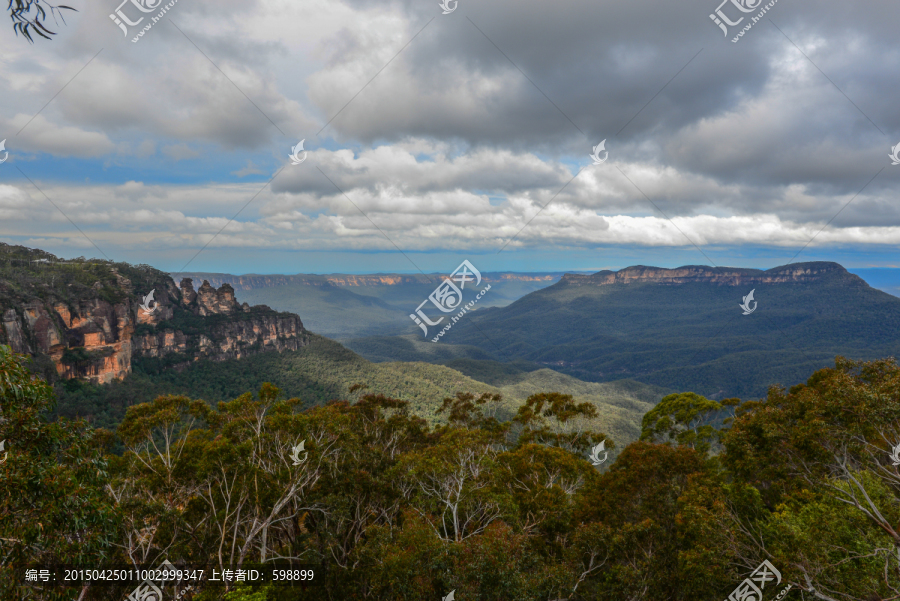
(232, 331)
(85, 320)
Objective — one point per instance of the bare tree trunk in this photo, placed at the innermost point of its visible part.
(84, 591)
(262, 551)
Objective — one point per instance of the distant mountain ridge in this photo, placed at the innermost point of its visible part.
(344, 306)
(684, 329)
(253, 281)
(725, 276)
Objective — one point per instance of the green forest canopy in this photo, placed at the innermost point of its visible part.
(490, 509)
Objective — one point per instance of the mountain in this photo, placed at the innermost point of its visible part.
(83, 319)
(344, 306)
(684, 329)
(83, 323)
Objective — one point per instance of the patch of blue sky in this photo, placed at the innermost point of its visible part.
(495, 198)
(157, 169)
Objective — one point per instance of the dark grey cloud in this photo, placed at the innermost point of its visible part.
(452, 146)
(779, 121)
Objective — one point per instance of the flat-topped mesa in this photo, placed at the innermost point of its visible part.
(370, 280)
(723, 276)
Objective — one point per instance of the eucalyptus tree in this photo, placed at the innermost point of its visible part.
(824, 452)
(53, 506)
(30, 17)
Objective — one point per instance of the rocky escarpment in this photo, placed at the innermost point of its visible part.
(92, 320)
(82, 337)
(101, 332)
(723, 276)
(215, 326)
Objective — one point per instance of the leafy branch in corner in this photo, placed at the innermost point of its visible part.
(29, 16)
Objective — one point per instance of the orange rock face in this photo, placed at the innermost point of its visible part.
(103, 330)
(101, 336)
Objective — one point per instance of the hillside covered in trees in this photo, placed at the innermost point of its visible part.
(684, 328)
(799, 490)
(324, 370)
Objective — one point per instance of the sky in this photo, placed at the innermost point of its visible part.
(429, 138)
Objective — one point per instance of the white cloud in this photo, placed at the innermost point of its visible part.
(249, 169)
(147, 148)
(40, 135)
(450, 146)
(180, 152)
(174, 217)
(135, 191)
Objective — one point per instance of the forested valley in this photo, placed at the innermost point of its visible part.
(796, 493)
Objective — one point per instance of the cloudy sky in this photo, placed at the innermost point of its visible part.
(430, 138)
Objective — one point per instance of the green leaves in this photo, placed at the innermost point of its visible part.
(544, 484)
(684, 419)
(823, 449)
(19, 386)
(491, 509)
(53, 506)
(29, 17)
(571, 425)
